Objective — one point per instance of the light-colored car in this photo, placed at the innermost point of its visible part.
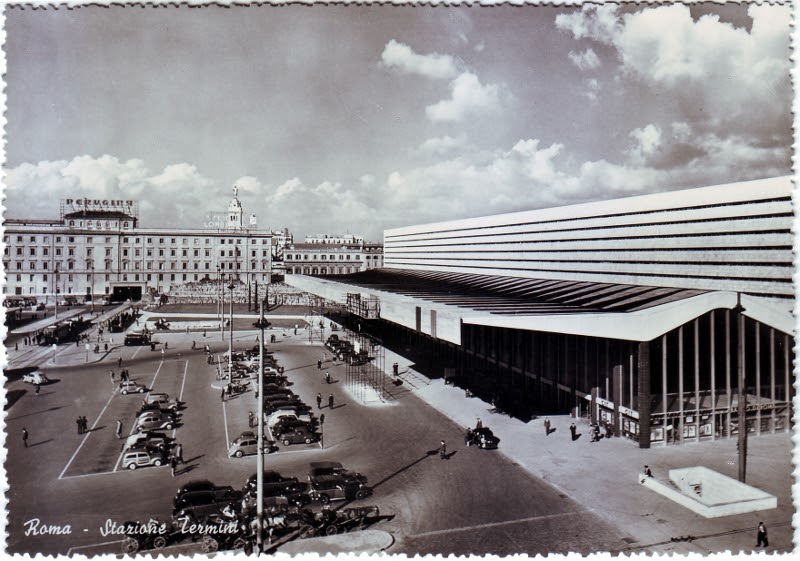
(154, 421)
(152, 439)
(273, 419)
(163, 400)
(245, 445)
(142, 458)
(35, 377)
(129, 386)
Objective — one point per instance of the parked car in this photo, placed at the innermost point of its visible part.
(154, 421)
(334, 468)
(35, 377)
(244, 445)
(286, 424)
(281, 396)
(200, 506)
(271, 407)
(327, 488)
(287, 414)
(152, 439)
(137, 458)
(224, 492)
(129, 386)
(269, 476)
(155, 407)
(136, 338)
(296, 436)
(163, 400)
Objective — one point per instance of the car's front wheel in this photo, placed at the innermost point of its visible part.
(124, 392)
(239, 454)
(168, 426)
(324, 499)
(286, 442)
(132, 466)
(141, 390)
(361, 494)
(308, 440)
(156, 463)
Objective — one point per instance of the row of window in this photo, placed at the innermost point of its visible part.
(149, 240)
(307, 257)
(136, 277)
(19, 265)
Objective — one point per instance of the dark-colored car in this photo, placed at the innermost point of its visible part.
(273, 406)
(270, 476)
(335, 468)
(297, 435)
(287, 424)
(327, 488)
(156, 407)
(199, 506)
(224, 492)
(281, 396)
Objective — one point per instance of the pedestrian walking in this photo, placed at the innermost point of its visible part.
(84, 425)
(395, 369)
(16, 346)
(252, 419)
(547, 426)
(319, 401)
(479, 424)
(647, 471)
(162, 351)
(330, 401)
(25, 436)
(166, 345)
(106, 347)
(442, 450)
(173, 464)
(79, 422)
(319, 365)
(328, 377)
(204, 333)
(119, 362)
(574, 431)
(113, 376)
(179, 453)
(194, 345)
(119, 429)
(37, 387)
(762, 536)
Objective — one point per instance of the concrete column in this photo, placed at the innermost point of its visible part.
(772, 377)
(643, 370)
(593, 410)
(697, 379)
(758, 377)
(618, 378)
(678, 434)
(713, 365)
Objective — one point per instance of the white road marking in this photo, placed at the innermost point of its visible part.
(496, 524)
(133, 425)
(74, 548)
(87, 435)
(180, 395)
(110, 472)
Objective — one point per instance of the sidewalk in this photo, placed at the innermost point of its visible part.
(603, 476)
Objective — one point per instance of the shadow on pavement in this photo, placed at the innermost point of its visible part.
(35, 413)
(40, 442)
(12, 397)
(427, 454)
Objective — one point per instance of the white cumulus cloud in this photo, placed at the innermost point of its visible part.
(468, 96)
(400, 57)
(586, 60)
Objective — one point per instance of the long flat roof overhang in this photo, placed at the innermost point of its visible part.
(640, 323)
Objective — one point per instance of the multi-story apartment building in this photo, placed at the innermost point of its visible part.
(96, 247)
(346, 239)
(330, 259)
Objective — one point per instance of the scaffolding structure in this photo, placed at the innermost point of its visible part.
(367, 307)
(365, 372)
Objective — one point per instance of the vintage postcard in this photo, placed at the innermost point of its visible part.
(398, 279)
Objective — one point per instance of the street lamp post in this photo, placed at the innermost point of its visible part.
(91, 269)
(231, 286)
(56, 291)
(261, 324)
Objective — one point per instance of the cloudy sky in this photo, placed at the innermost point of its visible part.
(357, 119)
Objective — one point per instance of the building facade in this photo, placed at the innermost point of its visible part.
(332, 259)
(97, 249)
(658, 315)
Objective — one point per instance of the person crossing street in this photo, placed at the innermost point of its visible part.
(330, 401)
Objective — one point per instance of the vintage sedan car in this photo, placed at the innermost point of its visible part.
(153, 439)
(156, 407)
(153, 420)
(297, 435)
(270, 476)
(36, 377)
(335, 468)
(143, 457)
(129, 386)
(222, 493)
(280, 414)
(287, 424)
(163, 400)
(327, 488)
(202, 506)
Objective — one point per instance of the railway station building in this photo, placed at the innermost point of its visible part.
(642, 313)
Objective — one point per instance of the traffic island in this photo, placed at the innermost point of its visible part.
(364, 541)
(709, 493)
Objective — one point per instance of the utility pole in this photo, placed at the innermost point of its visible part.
(261, 324)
